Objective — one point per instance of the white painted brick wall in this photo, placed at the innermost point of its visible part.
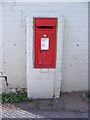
(0, 36)
(75, 58)
(0, 47)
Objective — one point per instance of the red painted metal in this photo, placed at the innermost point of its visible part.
(45, 28)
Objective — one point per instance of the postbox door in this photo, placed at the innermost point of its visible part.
(45, 50)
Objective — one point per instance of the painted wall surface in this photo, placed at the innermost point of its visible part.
(75, 48)
(88, 45)
(0, 36)
(0, 47)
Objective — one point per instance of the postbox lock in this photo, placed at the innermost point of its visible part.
(44, 35)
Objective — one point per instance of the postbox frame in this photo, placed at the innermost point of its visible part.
(48, 26)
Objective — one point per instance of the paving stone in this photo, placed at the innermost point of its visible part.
(10, 111)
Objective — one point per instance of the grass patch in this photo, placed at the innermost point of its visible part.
(88, 94)
(14, 97)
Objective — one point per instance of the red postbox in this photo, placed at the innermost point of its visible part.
(45, 42)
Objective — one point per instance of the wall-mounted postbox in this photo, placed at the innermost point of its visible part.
(45, 42)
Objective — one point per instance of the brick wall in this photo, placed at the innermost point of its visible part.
(0, 47)
(75, 48)
(0, 35)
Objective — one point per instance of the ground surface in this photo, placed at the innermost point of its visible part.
(73, 105)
